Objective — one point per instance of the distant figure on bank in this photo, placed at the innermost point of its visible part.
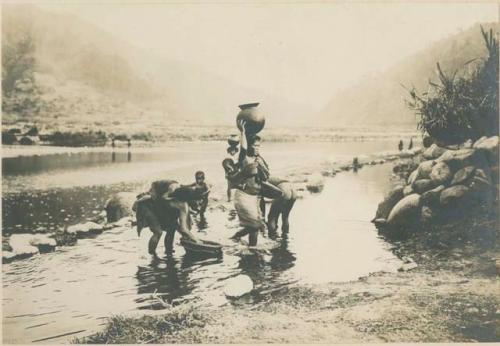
(113, 143)
(165, 208)
(230, 165)
(400, 146)
(203, 189)
(129, 143)
(410, 146)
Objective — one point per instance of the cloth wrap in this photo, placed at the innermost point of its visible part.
(247, 207)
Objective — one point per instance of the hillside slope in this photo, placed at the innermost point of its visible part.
(79, 73)
(379, 99)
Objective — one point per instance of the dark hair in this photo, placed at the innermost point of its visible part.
(199, 174)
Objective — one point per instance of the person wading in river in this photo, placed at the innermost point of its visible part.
(230, 166)
(165, 208)
(203, 188)
(249, 182)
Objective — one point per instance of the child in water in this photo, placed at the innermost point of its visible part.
(200, 205)
(230, 166)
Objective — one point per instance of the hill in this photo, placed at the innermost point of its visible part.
(64, 72)
(380, 99)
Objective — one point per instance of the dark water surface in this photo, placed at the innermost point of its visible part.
(56, 296)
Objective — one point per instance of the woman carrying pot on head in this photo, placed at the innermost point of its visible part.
(250, 181)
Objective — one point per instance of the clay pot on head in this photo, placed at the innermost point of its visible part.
(254, 118)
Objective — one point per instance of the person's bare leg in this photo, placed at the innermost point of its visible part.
(241, 233)
(228, 191)
(252, 237)
(153, 241)
(285, 226)
(272, 217)
(169, 241)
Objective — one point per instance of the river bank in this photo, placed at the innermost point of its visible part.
(446, 291)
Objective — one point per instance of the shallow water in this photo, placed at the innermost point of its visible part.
(56, 296)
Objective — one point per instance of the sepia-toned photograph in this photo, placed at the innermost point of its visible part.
(250, 172)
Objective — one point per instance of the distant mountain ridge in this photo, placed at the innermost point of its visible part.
(380, 99)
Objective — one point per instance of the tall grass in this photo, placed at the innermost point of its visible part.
(463, 104)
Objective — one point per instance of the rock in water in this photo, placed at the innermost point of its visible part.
(315, 183)
(462, 175)
(385, 207)
(238, 286)
(406, 211)
(441, 173)
(119, 206)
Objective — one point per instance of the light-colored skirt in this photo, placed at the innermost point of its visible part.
(248, 209)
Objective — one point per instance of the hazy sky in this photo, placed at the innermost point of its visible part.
(303, 51)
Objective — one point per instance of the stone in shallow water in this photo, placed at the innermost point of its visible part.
(406, 211)
(238, 286)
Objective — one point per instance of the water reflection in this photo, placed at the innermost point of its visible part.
(169, 279)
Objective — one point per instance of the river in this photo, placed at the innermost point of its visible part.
(70, 292)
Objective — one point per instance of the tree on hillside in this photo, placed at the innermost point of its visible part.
(463, 106)
(18, 61)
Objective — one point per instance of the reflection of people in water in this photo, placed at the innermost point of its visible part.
(165, 208)
(164, 277)
(200, 206)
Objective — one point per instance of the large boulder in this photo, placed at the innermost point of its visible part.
(408, 190)
(425, 168)
(453, 195)
(462, 175)
(490, 147)
(422, 185)
(406, 212)
(390, 200)
(413, 176)
(119, 206)
(433, 152)
(457, 159)
(431, 197)
(440, 174)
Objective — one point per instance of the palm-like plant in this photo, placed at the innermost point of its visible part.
(462, 106)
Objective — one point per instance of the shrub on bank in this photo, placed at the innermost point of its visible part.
(78, 139)
(463, 106)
